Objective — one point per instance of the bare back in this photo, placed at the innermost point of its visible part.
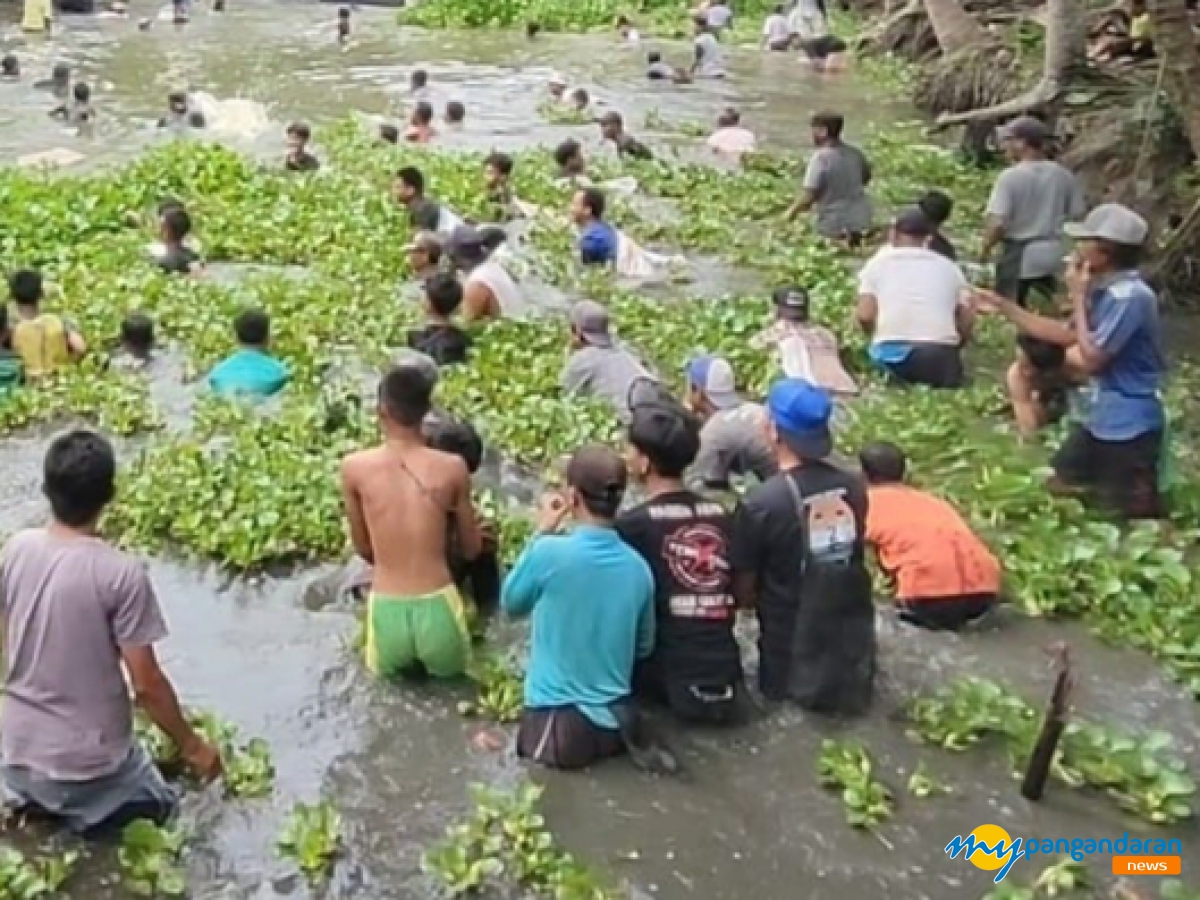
(399, 501)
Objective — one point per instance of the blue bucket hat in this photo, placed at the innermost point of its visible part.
(800, 412)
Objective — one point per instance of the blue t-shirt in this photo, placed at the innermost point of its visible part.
(598, 244)
(1124, 323)
(249, 373)
(591, 598)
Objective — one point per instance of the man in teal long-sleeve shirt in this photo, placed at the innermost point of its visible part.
(591, 599)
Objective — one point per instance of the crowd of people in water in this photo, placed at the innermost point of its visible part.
(631, 604)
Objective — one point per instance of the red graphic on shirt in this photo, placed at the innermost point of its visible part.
(696, 556)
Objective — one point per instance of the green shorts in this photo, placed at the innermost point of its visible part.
(404, 633)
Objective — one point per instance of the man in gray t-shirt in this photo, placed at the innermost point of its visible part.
(598, 367)
(835, 183)
(75, 611)
(1030, 202)
(733, 439)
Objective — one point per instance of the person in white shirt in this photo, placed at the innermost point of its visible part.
(719, 16)
(775, 34)
(707, 62)
(628, 33)
(808, 19)
(731, 139)
(915, 305)
(489, 291)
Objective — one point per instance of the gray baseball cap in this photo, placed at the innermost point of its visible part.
(1025, 128)
(1110, 222)
(591, 321)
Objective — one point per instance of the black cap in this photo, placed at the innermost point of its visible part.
(598, 474)
(913, 223)
(791, 303)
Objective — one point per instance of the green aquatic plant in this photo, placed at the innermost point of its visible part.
(923, 785)
(119, 404)
(1066, 878)
(1174, 889)
(312, 838)
(499, 684)
(1139, 772)
(249, 769)
(846, 766)
(26, 878)
(150, 859)
(505, 837)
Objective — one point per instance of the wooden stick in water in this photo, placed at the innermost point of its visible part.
(1038, 771)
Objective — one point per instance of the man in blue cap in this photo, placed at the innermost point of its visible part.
(732, 441)
(798, 558)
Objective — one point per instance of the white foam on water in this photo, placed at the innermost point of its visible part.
(232, 116)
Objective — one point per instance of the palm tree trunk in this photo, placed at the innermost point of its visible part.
(1176, 46)
(956, 29)
(1066, 48)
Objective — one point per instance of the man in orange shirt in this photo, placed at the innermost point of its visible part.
(944, 575)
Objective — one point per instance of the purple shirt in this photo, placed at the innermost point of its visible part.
(70, 604)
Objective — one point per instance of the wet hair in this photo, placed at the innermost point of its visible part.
(532, 29)
(406, 394)
(176, 222)
(82, 93)
(1122, 256)
(612, 118)
(389, 133)
(566, 151)
(60, 72)
(599, 476)
(459, 438)
(412, 177)
(344, 12)
(623, 20)
(252, 327)
(25, 286)
(779, 7)
(501, 162)
(79, 476)
(10, 65)
(167, 204)
(419, 78)
(580, 97)
(831, 122)
(937, 207)
(137, 332)
(729, 118)
(455, 111)
(444, 294)
(1042, 355)
(667, 435)
(882, 462)
(653, 57)
(423, 113)
(299, 130)
(594, 201)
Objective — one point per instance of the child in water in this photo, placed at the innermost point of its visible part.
(343, 24)
(137, 344)
(10, 68)
(456, 114)
(440, 339)
(298, 158)
(179, 115)
(79, 113)
(389, 134)
(420, 124)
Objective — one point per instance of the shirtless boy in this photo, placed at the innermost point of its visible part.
(398, 498)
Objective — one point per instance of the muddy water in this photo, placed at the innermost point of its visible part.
(749, 820)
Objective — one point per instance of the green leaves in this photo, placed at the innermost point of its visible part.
(845, 765)
(23, 878)
(312, 837)
(150, 860)
(1138, 772)
(499, 686)
(505, 837)
(249, 769)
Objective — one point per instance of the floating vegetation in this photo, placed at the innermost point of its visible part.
(249, 769)
(150, 859)
(1138, 772)
(846, 766)
(499, 689)
(33, 878)
(1063, 879)
(505, 839)
(312, 838)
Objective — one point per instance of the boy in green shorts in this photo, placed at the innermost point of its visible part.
(399, 498)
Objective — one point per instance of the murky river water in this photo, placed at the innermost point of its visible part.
(750, 821)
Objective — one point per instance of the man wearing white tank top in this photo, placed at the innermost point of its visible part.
(489, 291)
